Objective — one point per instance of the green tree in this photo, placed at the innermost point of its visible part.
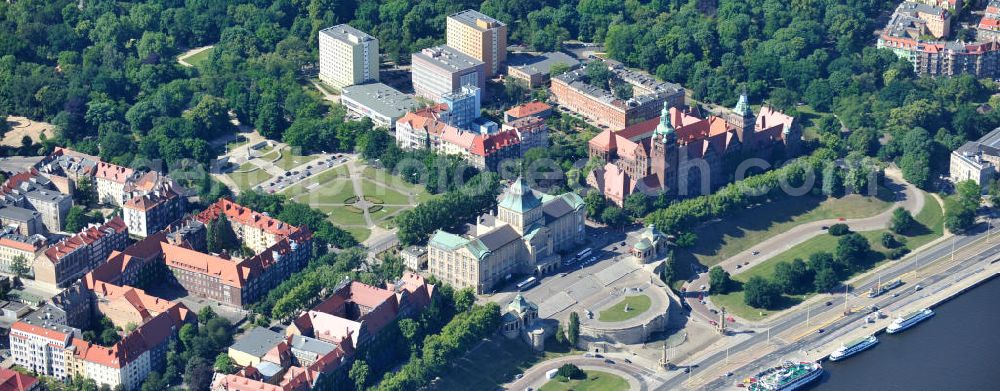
(464, 299)
(224, 364)
(719, 281)
(558, 69)
(687, 239)
(839, 229)
(852, 250)
(221, 237)
(571, 371)
(573, 330)
(614, 216)
(902, 221)
(761, 293)
(637, 204)
(959, 215)
(889, 241)
(598, 74)
(359, 374)
(85, 193)
(77, 219)
(19, 266)
(198, 374)
(793, 277)
(826, 279)
(594, 202)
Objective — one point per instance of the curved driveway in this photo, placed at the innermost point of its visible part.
(911, 199)
(638, 377)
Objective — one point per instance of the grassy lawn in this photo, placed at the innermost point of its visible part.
(493, 363)
(931, 218)
(332, 192)
(238, 142)
(341, 215)
(386, 195)
(383, 176)
(248, 175)
(596, 381)
(199, 58)
(359, 233)
(721, 240)
(636, 305)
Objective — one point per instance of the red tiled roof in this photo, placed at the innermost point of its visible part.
(239, 214)
(530, 108)
(113, 172)
(16, 180)
(91, 234)
(39, 331)
(13, 381)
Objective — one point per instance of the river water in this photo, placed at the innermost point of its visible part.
(956, 350)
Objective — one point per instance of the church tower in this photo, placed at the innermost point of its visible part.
(664, 156)
(519, 207)
(742, 118)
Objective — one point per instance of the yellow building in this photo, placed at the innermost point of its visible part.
(479, 36)
(347, 56)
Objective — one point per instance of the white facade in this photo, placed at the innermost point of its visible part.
(44, 355)
(109, 191)
(347, 56)
(136, 222)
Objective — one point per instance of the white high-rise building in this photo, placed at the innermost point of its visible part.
(347, 56)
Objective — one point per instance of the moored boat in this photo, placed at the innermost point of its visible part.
(853, 347)
(909, 320)
(787, 377)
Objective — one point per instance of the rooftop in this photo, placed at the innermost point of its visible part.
(473, 18)
(18, 214)
(381, 99)
(257, 341)
(446, 57)
(534, 64)
(346, 33)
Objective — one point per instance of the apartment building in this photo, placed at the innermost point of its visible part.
(531, 131)
(50, 343)
(33, 191)
(111, 181)
(71, 258)
(439, 70)
(602, 108)
(347, 56)
(14, 245)
(536, 70)
(321, 343)
(27, 222)
(480, 36)
(525, 235)
(429, 128)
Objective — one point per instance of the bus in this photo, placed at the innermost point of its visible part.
(583, 254)
(528, 283)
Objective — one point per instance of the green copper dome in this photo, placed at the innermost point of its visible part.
(665, 128)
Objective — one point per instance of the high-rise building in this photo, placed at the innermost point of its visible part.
(347, 56)
(479, 36)
(441, 69)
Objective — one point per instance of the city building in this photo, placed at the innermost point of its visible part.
(988, 28)
(347, 56)
(156, 203)
(72, 257)
(535, 70)
(601, 107)
(531, 109)
(383, 104)
(463, 106)
(17, 247)
(31, 190)
(520, 319)
(917, 32)
(253, 345)
(531, 131)
(49, 341)
(524, 236)
(26, 222)
(977, 160)
(64, 167)
(321, 342)
(681, 153)
(111, 182)
(429, 128)
(439, 70)
(647, 245)
(414, 257)
(951, 5)
(11, 380)
(479, 36)
(279, 249)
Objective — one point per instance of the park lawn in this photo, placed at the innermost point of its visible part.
(384, 194)
(341, 215)
(595, 381)
(333, 192)
(240, 141)
(290, 160)
(268, 154)
(616, 313)
(248, 176)
(359, 233)
(931, 217)
(494, 362)
(720, 240)
(396, 182)
(199, 58)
